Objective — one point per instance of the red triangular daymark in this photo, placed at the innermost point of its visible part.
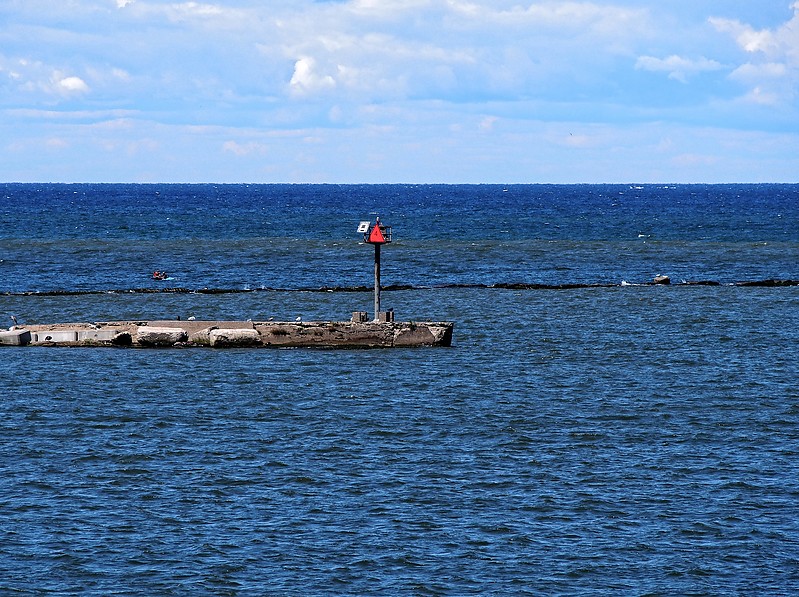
(376, 235)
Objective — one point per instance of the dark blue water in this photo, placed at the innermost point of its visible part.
(90, 237)
(638, 440)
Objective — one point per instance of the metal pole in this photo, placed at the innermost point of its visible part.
(377, 282)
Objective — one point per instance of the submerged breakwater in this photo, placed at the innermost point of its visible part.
(396, 287)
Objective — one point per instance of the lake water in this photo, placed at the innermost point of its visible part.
(607, 439)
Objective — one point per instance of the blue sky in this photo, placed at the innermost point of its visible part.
(458, 91)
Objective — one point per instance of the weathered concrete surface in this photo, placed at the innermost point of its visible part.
(103, 337)
(201, 337)
(325, 333)
(191, 326)
(54, 337)
(15, 337)
(228, 337)
(147, 335)
(413, 335)
(219, 334)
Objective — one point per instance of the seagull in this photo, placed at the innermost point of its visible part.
(192, 318)
(299, 318)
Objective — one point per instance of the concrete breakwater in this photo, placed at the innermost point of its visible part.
(232, 334)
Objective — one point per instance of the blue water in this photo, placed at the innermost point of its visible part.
(638, 440)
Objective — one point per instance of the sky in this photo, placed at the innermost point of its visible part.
(399, 91)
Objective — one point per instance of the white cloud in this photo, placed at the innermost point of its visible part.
(487, 123)
(37, 79)
(385, 8)
(216, 17)
(306, 78)
(69, 85)
(772, 70)
(769, 83)
(244, 149)
(768, 70)
(120, 74)
(748, 38)
(451, 49)
(687, 160)
(197, 9)
(56, 143)
(176, 10)
(765, 97)
(679, 68)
